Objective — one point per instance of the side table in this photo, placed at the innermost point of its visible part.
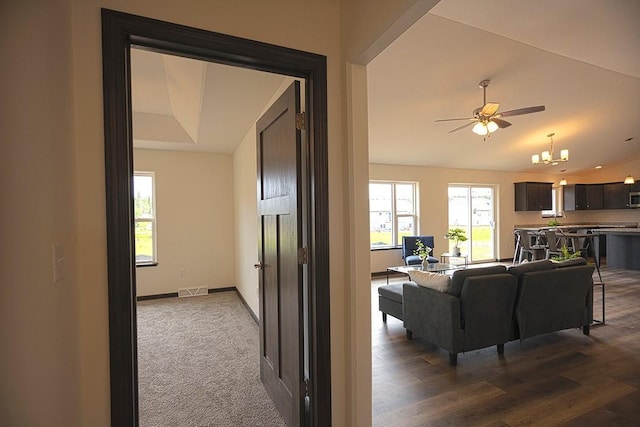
(446, 258)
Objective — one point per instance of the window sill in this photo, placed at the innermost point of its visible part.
(147, 264)
(386, 248)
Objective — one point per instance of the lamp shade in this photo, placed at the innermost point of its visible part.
(492, 126)
(535, 159)
(629, 180)
(563, 181)
(480, 129)
(564, 154)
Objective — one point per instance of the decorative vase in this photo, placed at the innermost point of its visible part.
(456, 251)
(425, 263)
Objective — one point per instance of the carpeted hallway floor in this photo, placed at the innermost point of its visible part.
(198, 364)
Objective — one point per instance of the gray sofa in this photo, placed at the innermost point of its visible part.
(493, 305)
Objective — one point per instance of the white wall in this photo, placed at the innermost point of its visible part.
(195, 221)
(246, 230)
(39, 357)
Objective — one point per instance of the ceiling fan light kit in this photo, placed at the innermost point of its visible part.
(487, 119)
(547, 156)
(482, 128)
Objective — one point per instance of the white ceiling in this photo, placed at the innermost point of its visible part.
(189, 105)
(579, 58)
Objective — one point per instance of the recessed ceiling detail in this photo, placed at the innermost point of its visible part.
(186, 104)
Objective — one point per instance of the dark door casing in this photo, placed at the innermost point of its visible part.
(119, 32)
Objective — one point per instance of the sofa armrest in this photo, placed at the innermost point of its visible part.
(433, 315)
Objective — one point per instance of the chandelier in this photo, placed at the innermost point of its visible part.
(547, 156)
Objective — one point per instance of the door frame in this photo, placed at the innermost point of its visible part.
(119, 32)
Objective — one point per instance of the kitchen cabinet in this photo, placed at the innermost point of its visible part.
(616, 195)
(532, 196)
(583, 197)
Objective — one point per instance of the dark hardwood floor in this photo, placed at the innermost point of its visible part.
(564, 378)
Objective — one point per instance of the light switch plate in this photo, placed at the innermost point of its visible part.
(58, 262)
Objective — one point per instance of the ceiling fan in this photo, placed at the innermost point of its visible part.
(487, 119)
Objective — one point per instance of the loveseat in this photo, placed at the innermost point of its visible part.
(488, 306)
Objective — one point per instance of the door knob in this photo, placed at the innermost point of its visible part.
(258, 266)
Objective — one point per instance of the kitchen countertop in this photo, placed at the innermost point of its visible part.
(635, 230)
(571, 226)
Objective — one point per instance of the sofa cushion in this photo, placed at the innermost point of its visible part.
(392, 292)
(570, 262)
(540, 265)
(427, 279)
(457, 280)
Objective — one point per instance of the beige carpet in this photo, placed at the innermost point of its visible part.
(198, 364)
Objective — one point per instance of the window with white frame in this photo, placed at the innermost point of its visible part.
(145, 217)
(392, 212)
(554, 205)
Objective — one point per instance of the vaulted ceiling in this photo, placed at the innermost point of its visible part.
(579, 58)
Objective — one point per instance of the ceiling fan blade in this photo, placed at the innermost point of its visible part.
(449, 120)
(489, 109)
(501, 123)
(462, 127)
(520, 111)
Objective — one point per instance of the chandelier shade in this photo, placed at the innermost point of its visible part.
(547, 156)
(629, 180)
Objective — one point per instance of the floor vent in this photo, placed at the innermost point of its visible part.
(192, 292)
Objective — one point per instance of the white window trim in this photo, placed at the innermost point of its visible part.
(395, 215)
(152, 220)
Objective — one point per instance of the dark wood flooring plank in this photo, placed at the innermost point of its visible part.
(564, 378)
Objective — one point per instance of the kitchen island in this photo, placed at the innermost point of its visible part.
(623, 247)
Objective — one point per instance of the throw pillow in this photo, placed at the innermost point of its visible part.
(427, 279)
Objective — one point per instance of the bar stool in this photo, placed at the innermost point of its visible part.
(524, 238)
(554, 244)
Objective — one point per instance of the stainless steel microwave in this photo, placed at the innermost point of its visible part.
(634, 199)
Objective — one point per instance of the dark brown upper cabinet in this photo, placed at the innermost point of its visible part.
(616, 195)
(533, 196)
(579, 197)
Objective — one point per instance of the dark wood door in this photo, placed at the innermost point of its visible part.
(279, 209)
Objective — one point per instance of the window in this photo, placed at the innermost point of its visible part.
(554, 205)
(392, 212)
(145, 217)
(473, 209)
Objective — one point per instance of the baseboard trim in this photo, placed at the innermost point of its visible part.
(157, 296)
(247, 306)
(227, 289)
